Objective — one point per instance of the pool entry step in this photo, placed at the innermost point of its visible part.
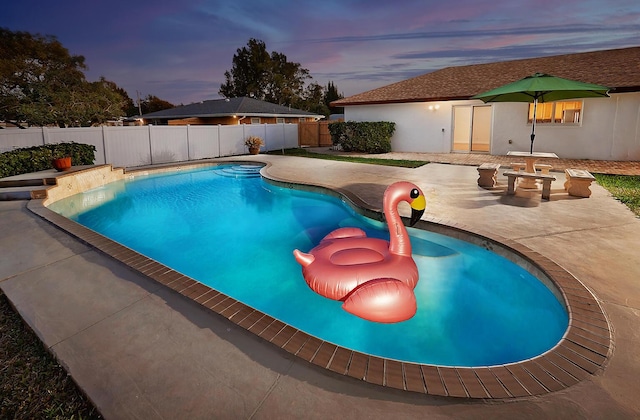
(241, 171)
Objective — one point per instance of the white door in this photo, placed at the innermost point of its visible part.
(471, 128)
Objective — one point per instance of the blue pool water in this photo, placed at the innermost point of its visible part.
(237, 235)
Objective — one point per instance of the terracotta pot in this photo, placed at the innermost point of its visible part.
(254, 150)
(62, 164)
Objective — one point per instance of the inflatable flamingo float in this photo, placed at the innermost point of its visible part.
(374, 278)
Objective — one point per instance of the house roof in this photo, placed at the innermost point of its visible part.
(240, 107)
(617, 69)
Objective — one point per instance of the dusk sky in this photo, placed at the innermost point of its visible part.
(179, 50)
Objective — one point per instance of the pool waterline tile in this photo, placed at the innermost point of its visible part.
(358, 365)
(310, 348)
(532, 386)
(375, 370)
(471, 383)
(324, 355)
(393, 375)
(340, 360)
(577, 356)
(542, 376)
(433, 380)
(413, 378)
(452, 383)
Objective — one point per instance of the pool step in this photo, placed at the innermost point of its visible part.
(240, 171)
(26, 186)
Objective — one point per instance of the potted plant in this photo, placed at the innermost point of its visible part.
(254, 143)
(61, 160)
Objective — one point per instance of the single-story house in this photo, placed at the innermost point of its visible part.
(434, 112)
(230, 111)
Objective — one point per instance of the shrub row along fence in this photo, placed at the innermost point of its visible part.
(147, 145)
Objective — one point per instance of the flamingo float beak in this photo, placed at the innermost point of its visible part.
(418, 204)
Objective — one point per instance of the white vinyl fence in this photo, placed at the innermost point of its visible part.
(152, 144)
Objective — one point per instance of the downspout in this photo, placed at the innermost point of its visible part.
(637, 128)
(613, 129)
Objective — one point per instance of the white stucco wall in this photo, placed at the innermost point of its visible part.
(417, 128)
(610, 128)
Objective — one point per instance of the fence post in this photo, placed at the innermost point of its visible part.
(104, 143)
(265, 136)
(150, 149)
(219, 141)
(188, 146)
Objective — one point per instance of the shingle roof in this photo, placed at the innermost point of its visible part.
(241, 106)
(617, 69)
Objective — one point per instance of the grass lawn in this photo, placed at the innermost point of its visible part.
(32, 384)
(624, 188)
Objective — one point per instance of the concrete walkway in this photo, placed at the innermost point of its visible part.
(140, 350)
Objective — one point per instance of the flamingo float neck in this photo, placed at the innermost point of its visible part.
(399, 243)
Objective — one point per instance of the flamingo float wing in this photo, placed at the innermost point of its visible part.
(382, 300)
(346, 232)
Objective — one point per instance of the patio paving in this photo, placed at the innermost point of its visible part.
(140, 350)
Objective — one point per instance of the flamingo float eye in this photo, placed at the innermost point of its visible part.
(414, 193)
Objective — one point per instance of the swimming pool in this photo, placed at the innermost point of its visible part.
(474, 307)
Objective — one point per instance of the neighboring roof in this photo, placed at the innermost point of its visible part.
(617, 69)
(242, 106)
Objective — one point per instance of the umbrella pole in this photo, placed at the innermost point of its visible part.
(533, 123)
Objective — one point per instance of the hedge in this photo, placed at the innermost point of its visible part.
(364, 137)
(38, 158)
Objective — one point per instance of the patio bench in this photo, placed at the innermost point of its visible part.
(546, 181)
(487, 174)
(578, 182)
(517, 166)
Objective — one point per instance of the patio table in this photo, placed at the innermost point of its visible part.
(530, 165)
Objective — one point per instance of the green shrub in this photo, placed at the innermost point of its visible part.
(38, 158)
(364, 137)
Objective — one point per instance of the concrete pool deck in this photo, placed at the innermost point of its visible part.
(140, 350)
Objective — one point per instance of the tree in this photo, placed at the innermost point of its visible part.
(314, 100)
(34, 72)
(331, 94)
(268, 77)
(153, 104)
(129, 108)
(41, 83)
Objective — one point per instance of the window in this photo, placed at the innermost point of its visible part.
(279, 120)
(255, 120)
(565, 112)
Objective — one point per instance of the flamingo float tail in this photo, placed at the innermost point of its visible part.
(303, 258)
(382, 300)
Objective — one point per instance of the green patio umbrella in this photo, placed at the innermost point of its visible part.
(542, 88)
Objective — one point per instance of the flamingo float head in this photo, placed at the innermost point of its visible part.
(418, 203)
(405, 191)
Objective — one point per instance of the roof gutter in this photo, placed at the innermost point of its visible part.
(400, 101)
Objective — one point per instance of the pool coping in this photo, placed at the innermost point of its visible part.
(583, 350)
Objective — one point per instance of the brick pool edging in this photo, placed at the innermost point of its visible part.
(583, 350)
